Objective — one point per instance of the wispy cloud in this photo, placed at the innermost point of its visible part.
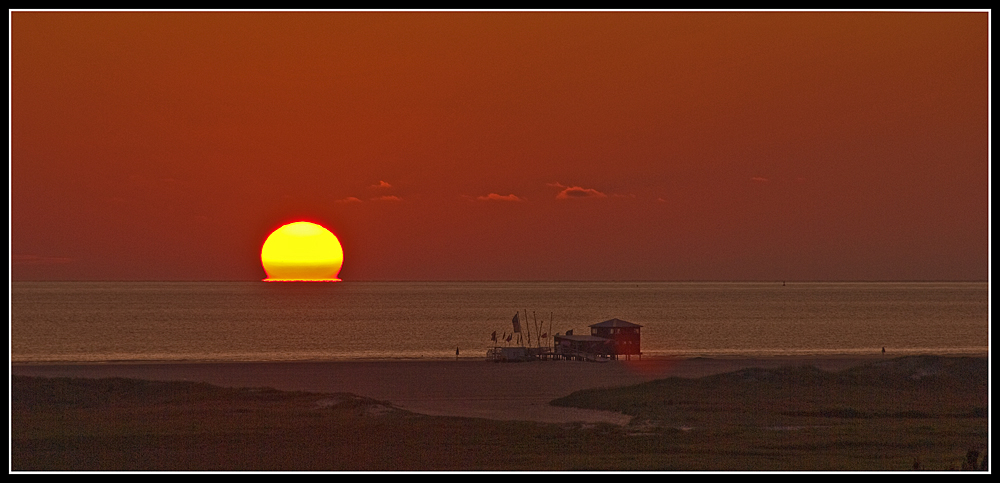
(39, 260)
(349, 199)
(387, 198)
(573, 192)
(759, 179)
(496, 197)
(382, 185)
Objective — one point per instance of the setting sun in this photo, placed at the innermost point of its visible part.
(302, 251)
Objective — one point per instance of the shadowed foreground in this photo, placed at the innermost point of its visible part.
(928, 412)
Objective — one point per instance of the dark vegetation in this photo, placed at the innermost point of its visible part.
(902, 414)
(913, 412)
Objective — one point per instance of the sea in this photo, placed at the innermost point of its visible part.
(101, 322)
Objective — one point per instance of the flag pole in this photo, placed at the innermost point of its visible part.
(534, 317)
(525, 325)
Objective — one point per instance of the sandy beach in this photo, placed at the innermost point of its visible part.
(467, 388)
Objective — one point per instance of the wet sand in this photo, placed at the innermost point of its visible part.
(467, 388)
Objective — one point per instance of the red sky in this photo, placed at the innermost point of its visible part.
(502, 145)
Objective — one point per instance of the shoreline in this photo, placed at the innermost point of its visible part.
(463, 388)
(658, 357)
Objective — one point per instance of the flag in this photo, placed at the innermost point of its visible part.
(517, 324)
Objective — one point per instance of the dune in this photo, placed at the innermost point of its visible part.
(464, 388)
(692, 415)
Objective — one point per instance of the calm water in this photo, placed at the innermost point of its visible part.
(254, 321)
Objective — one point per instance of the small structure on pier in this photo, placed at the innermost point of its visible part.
(624, 336)
(607, 341)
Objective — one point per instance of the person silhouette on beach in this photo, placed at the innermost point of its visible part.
(883, 351)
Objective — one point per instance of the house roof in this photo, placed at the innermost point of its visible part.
(615, 323)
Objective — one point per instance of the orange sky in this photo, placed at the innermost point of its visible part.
(502, 145)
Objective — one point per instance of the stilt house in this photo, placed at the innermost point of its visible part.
(624, 334)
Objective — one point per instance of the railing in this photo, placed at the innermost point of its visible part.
(496, 354)
(579, 354)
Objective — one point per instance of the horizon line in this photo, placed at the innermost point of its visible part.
(535, 280)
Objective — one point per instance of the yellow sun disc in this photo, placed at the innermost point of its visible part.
(302, 251)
